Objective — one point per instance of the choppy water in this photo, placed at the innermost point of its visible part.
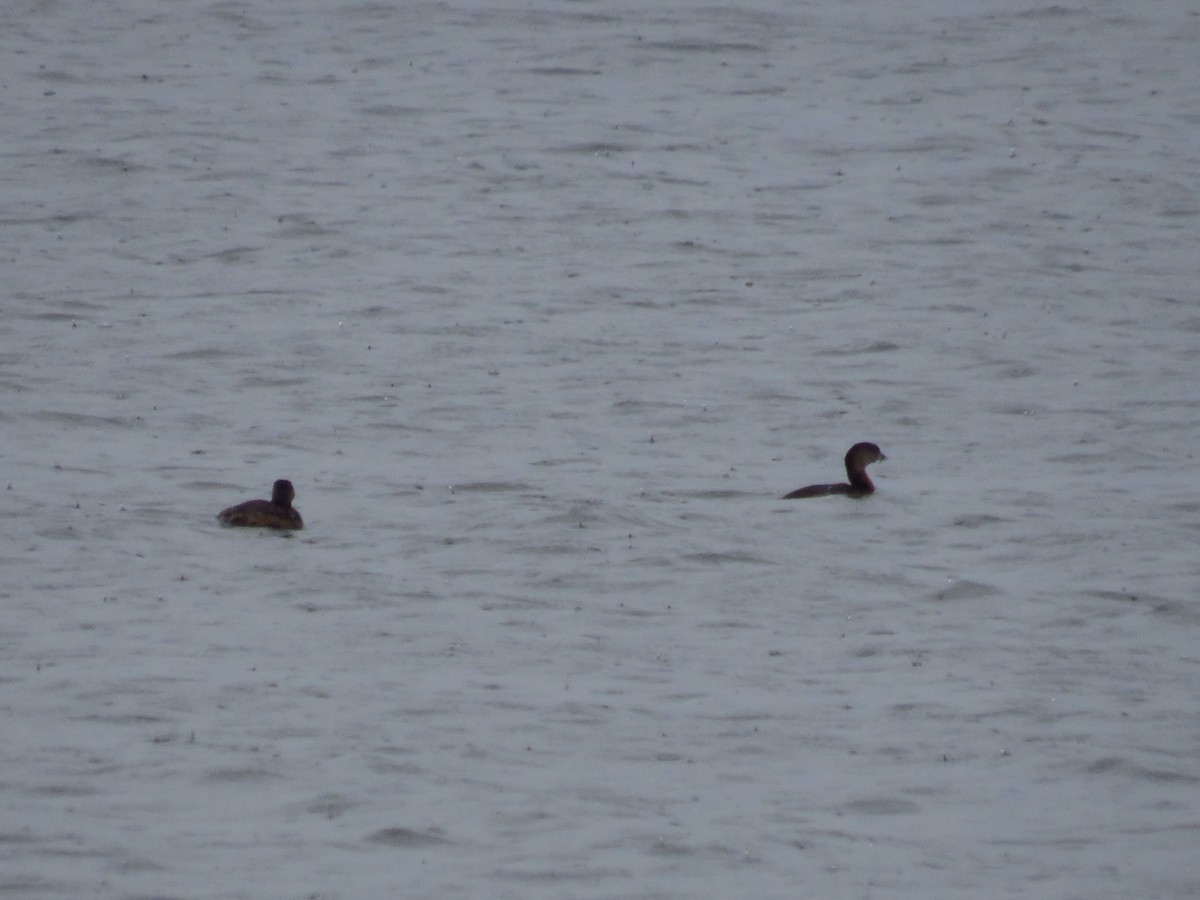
(541, 308)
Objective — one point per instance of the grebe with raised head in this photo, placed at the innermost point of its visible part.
(858, 458)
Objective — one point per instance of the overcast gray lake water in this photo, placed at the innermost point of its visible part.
(542, 307)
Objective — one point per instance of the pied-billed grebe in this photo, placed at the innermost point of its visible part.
(274, 513)
(858, 458)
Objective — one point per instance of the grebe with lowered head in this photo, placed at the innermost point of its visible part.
(858, 458)
(277, 512)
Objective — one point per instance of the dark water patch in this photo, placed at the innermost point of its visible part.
(765, 91)
(1115, 596)
(561, 71)
(773, 395)
(54, 317)
(1053, 11)
(661, 756)
(57, 76)
(580, 714)
(232, 13)
(728, 625)
(648, 561)
(944, 199)
(375, 399)
(559, 549)
(861, 349)
(212, 486)
(1116, 765)
(489, 487)
(239, 775)
(202, 353)
(329, 806)
(1076, 459)
(117, 719)
(1017, 372)
(978, 521)
(20, 837)
(1181, 211)
(580, 515)
(720, 558)
(409, 770)
(825, 274)
(399, 836)
(234, 254)
(964, 590)
(105, 165)
(597, 148)
(555, 876)
(712, 495)
(394, 110)
(776, 190)
(401, 426)
(734, 718)
(663, 847)
(678, 147)
(259, 381)
(298, 225)
(589, 18)
(64, 790)
(676, 181)
(635, 406)
(1187, 613)
(509, 603)
(707, 47)
(1014, 410)
(882, 806)
(30, 887)
(86, 420)
(638, 612)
